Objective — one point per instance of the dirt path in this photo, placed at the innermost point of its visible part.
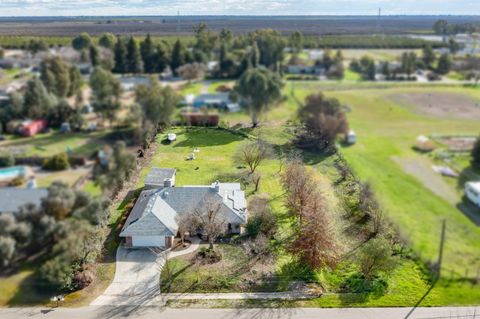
(424, 173)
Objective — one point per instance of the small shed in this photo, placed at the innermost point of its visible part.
(424, 144)
(351, 137)
(472, 192)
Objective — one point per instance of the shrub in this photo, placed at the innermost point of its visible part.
(56, 162)
(376, 256)
(209, 256)
(7, 160)
(56, 274)
(223, 88)
(17, 181)
(83, 278)
(357, 283)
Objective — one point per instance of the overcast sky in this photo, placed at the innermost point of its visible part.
(235, 7)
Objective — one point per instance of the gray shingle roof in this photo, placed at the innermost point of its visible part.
(12, 199)
(157, 175)
(165, 204)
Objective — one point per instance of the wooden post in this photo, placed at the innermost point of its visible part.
(442, 244)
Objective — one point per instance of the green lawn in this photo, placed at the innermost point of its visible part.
(385, 130)
(48, 144)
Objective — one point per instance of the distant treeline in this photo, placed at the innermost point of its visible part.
(330, 41)
(22, 42)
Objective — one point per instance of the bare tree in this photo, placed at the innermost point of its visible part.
(186, 223)
(208, 216)
(300, 185)
(192, 71)
(314, 240)
(253, 154)
(314, 243)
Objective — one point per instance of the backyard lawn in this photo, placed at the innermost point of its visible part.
(48, 144)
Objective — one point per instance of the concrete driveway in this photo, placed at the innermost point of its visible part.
(137, 278)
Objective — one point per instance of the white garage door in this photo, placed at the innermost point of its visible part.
(148, 241)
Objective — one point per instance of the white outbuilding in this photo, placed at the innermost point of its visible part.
(351, 137)
(472, 191)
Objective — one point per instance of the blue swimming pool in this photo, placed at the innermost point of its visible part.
(11, 172)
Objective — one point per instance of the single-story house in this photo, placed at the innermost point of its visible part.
(219, 101)
(305, 69)
(153, 220)
(12, 199)
(160, 177)
(31, 128)
(129, 83)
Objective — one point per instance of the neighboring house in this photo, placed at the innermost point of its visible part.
(12, 199)
(32, 128)
(153, 220)
(219, 101)
(160, 177)
(129, 83)
(305, 69)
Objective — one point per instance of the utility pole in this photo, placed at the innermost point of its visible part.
(178, 21)
(442, 244)
(378, 20)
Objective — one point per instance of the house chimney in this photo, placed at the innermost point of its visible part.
(217, 186)
(167, 182)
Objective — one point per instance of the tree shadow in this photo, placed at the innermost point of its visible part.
(362, 289)
(30, 293)
(204, 137)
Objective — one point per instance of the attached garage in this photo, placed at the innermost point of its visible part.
(148, 241)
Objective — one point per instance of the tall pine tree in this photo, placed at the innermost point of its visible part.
(178, 57)
(134, 59)
(161, 59)
(120, 57)
(147, 51)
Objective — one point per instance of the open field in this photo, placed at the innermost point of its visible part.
(168, 25)
(441, 105)
(386, 130)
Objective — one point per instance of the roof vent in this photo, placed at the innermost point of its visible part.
(165, 194)
(167, 182)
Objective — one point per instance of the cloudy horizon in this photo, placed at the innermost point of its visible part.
(235, 7)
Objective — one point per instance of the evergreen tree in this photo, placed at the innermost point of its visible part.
(107, 40)
(134, 58)
(178, 57)
(428, 56)
(38, 103)
(94, 57)
(161, 59)
(120, 57)
(444, 64)
(54, 73)
(76, 81)
(106, 92)
(82, 42)
(258, 88)
(147, 51)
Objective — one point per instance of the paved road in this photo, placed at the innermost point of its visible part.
(293, 313)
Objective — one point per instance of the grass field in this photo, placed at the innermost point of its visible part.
(388, 130)
(48, 144)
